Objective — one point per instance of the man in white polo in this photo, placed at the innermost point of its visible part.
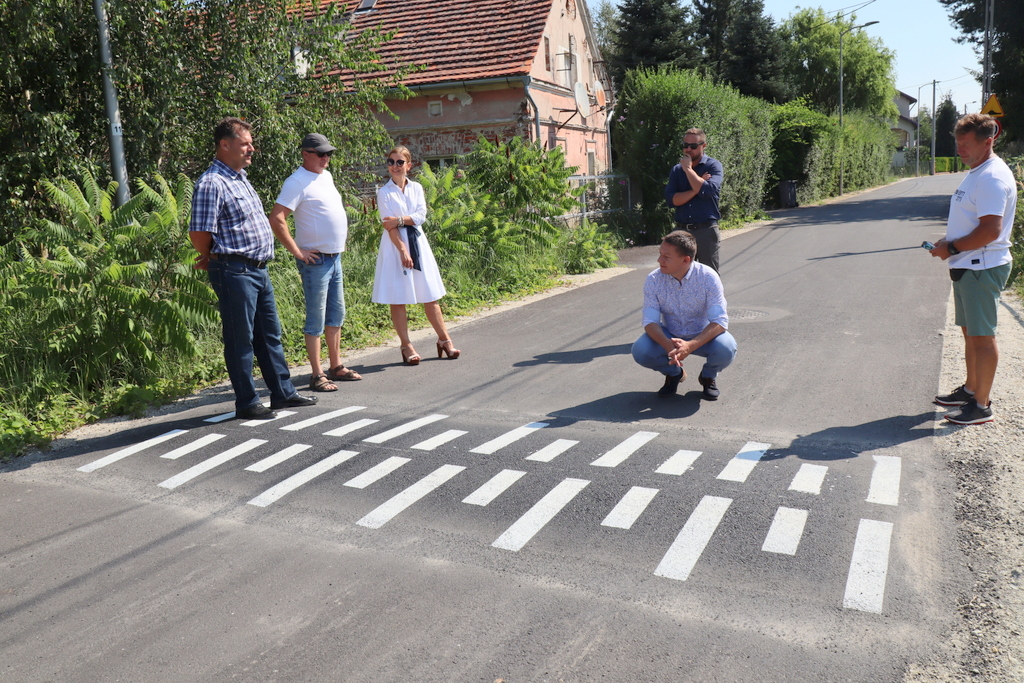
(321, 227)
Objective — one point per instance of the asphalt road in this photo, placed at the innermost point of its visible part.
(533, 511)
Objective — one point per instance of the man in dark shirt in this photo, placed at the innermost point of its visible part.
(693, 189)
(231, 232)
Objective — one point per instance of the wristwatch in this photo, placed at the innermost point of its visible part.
(951, 248)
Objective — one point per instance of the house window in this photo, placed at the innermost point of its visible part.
(570, 61)
(591, 163)
(547, 53)
(440, 163)
(434, 108)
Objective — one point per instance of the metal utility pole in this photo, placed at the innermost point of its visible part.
(989, 26)
(117, 162)
(842, 160)
(934, 131)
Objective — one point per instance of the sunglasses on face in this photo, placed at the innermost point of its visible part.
(319, 154)
(396, 162)
(692, 145)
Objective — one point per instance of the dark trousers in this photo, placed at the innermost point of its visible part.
(707, 238)
(249, 322)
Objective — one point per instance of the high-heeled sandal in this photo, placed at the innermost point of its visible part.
(412, 358)
(447, 348)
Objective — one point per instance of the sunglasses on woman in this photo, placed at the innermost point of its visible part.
(396, 162)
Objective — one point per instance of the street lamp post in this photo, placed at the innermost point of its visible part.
(842, 161)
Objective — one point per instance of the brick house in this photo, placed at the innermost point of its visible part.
(498, 69)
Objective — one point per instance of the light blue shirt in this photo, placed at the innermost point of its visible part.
(685, 307)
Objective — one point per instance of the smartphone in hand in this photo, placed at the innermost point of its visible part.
(927, 245)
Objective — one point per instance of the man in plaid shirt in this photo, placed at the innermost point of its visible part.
(230, 230)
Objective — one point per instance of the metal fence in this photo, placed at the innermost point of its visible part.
(602, 195)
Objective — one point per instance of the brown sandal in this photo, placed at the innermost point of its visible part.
(412, 358)
(322, 383)
(343, 374)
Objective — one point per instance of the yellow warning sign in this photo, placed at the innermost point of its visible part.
(992, 107)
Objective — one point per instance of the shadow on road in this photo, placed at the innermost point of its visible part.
(630, 406)
(575, 357)
(840, 443)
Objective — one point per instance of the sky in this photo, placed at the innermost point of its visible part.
(920, 34)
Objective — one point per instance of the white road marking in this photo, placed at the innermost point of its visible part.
(508, 437)
(221, 418)
(542, 512)
(130, 450)
(277, 458)
(630, 507)
(809, 479)
(293, 482)
(786, 531)
(376, 472)
(387, 511)
(257, 423)
(404, 429)
(351, 427)
(494, 487)
(885, 480)
(194, 446)
(740, 467)
(439, 440)
(552, 450)
(322, 418)
(625, 449)
(684, 552)
(865, 584)
(208, 464)
(679, 463)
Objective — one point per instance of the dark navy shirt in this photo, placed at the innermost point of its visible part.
(703, 207)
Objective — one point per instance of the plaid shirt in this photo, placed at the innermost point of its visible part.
(224, 203)
(687, 306)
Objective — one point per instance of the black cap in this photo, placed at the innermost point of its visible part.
(317, 143)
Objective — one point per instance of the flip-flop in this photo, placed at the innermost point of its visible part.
(321, 383)
(343, 374)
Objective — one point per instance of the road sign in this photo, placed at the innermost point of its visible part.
(999, 130)
(992, 107)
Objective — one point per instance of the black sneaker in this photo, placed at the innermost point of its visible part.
(958, 397)
(672, 383)
(711, 392)
(256, 411)
(972, 414)
(296, 401)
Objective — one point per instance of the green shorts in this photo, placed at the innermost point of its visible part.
(976, 299)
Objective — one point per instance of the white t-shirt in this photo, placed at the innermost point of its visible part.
(988, 190)
(320, 219)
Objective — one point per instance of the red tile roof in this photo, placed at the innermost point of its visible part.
(457, 41)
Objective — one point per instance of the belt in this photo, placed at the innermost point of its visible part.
(324, 253)
(697, 226)
(238, 258)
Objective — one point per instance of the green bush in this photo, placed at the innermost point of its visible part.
(1017, 236)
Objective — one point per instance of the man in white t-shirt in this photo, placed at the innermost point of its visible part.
(321, 227)
(977, 248)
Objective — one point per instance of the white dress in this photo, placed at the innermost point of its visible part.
(393, 284)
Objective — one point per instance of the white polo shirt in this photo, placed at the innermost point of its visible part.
(320, 219)
(988, 190)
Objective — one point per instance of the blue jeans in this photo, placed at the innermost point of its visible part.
(324, 291)
(719, 353)
(250, 327)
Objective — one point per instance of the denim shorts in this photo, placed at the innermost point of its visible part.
(976, 299)
(324, 289)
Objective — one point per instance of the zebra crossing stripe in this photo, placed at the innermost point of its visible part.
(130, 450)
(552, 450)
(277, 458)
(494, 487)
(786, 531)
(679, 463)
(740, 467)
(809, 479)
(507, 438)
(257, 423)
(865, 584)
(404, 429)
(276, 492)
(351, 427)
(684, 552)
(542, 512)
(630, 507)
(321, 418)
(625, 449)
(222, 417)
(388, 510)
(439, 440)
(885, 480)
(376, 472)
(193, 446)
(208, 464)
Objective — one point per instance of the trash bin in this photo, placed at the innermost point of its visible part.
(787, 194)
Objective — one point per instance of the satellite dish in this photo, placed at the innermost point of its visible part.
(582, 99)
(602, 100)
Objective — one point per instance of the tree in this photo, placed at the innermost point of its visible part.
(945, 120)
(868, 66)
(1007, 52)
(755, 55)
(714, 20)
(606, 23)
(650, 33)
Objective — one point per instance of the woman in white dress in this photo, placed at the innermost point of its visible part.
(406, 271)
